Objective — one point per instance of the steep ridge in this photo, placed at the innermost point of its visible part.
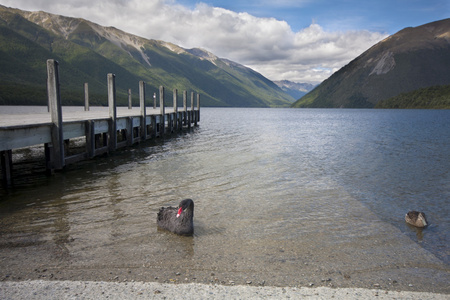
(411, 59)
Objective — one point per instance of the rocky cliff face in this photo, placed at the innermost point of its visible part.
(411, 59)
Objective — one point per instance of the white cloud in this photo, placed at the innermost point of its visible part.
(267, 45)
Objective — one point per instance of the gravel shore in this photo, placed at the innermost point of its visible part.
(40, 289)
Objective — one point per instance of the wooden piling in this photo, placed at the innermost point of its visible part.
(112, 111)
(162, 110)
(6, 164)
(130, 105)
(184, 108)
(90, 138)
(197, 112)
(143, 133)
(175, 110)
(54, 101)
(191, 112)
(86, 96)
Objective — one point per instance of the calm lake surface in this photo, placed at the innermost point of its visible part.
(282, 197)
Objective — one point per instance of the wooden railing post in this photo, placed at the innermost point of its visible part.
(184, 108)
(197, 112)
(112, 111)
(54, 101)
(175, 110)
(162, 110)
(86, 96)
(130, 106)
(191, 112)
(143, 132)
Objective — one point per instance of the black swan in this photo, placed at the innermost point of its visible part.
(178, 220)
(416, 218)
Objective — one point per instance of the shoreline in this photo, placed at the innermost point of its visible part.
(41, 289)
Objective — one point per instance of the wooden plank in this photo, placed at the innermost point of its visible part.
(101, 126)
(74, 129)
(101, 151)
(121, 124)
(24, 136)
(76, 158)
(136, 121)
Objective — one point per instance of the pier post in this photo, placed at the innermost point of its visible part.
(191, 112)
(130, 106)
(112, 111)
(185, 108)
(175, 110)
(129, 131)
(197, 112)
(90, 138)
(86, 96)
(162, 110)
(154, 100)
(54, 101)
(6, 162)
(143, 132)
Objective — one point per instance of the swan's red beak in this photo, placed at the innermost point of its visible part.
(180, 210)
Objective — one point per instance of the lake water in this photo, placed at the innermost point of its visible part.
(282, 197)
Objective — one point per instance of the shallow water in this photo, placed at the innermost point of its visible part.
(282, 197)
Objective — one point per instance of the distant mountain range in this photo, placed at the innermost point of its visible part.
(412, 59)
(295, 89)
(87, 52)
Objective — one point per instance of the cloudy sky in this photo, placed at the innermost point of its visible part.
(297, 40)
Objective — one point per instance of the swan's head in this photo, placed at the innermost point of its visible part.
(186, 204)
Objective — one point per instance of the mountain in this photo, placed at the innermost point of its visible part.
(295, 89)
(411, 59)
(437, 97)
(87, 52)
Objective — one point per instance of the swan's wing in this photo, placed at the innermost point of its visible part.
(165, 214)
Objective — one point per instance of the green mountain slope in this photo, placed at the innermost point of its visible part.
(87, 52)
(436, 97)
(411, 59)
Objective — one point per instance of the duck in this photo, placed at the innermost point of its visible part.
(416, 218)
(178, 220)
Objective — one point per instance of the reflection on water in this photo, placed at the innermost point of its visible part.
(276, 191)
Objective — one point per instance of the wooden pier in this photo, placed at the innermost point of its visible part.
(103, 131)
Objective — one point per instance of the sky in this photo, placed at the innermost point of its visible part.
(297, 40)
